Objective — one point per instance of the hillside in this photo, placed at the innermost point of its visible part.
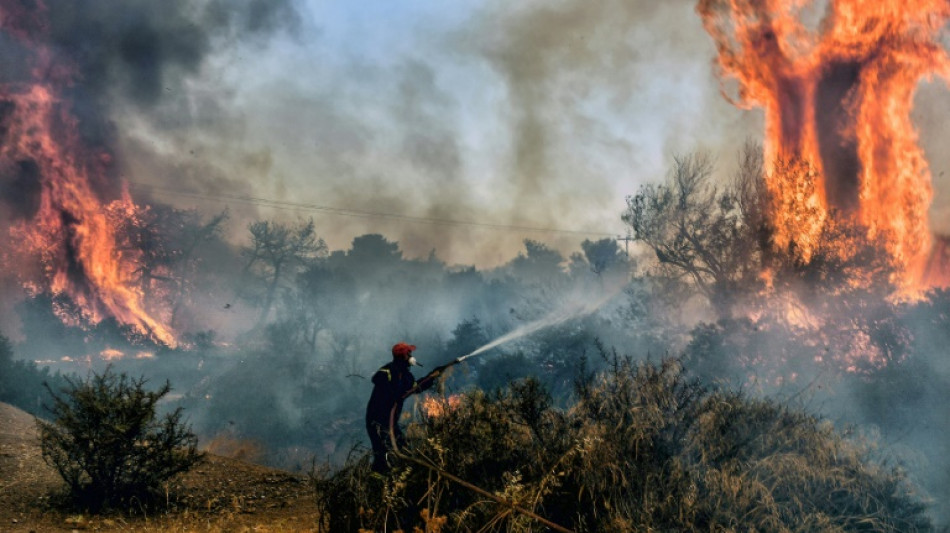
(221, 494)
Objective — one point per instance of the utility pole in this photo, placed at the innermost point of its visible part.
(626, 243)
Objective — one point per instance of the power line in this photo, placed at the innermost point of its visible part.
(325, 209)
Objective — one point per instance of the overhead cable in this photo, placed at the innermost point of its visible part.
(298, 206)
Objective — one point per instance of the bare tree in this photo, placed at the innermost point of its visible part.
(710, 235)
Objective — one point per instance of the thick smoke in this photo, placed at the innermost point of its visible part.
(540, 114)
(142, 52)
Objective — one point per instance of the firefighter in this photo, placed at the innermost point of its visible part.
(392, 384)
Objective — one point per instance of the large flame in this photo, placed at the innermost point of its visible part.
(837, 103)
(70, 231)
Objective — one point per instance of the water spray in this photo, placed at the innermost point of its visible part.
(577, 309)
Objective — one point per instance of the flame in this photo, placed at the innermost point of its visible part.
(71, 236)
(935, 271)
(837, 102)
(111, 354)
(435, 407)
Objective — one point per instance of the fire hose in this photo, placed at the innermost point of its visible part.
(425, 464)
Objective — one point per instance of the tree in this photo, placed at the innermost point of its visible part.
(21, 380)
(148, 236)
(604, 255)
(536, 279)
(374, 250)
(468, 336)
(700, 231)
(107, 442)
(277, 252)
(538, 264)
(195, 232)
(165, 243)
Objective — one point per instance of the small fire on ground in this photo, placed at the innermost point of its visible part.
(111, 354)
(437, 406)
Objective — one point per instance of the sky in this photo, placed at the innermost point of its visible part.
(531, 114)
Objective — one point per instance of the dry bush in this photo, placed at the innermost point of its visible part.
(642, 448)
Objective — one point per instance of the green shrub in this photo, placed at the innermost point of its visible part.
(642, 448)
(107, 442)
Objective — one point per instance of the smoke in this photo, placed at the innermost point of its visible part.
(537, 114)
(591, 90)
(552, 59)
(931, 107)
(540, 114)
(143, 52)
(573, 310)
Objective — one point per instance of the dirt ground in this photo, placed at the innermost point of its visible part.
(220, 494)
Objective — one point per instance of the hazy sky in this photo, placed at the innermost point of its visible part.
(546, 114)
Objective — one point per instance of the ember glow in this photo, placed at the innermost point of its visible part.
(837, 103)
(66, 241)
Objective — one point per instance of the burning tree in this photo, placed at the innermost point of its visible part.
(69, 202)
(837, 100)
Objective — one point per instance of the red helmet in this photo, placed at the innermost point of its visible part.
(403, 350)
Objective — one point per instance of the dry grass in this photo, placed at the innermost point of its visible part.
(220, 495)
(642, 448)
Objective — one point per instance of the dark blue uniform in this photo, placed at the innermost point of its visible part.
(391, 385)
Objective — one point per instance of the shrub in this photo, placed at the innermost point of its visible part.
(108, 444)
(21, 381)
(642, 448)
